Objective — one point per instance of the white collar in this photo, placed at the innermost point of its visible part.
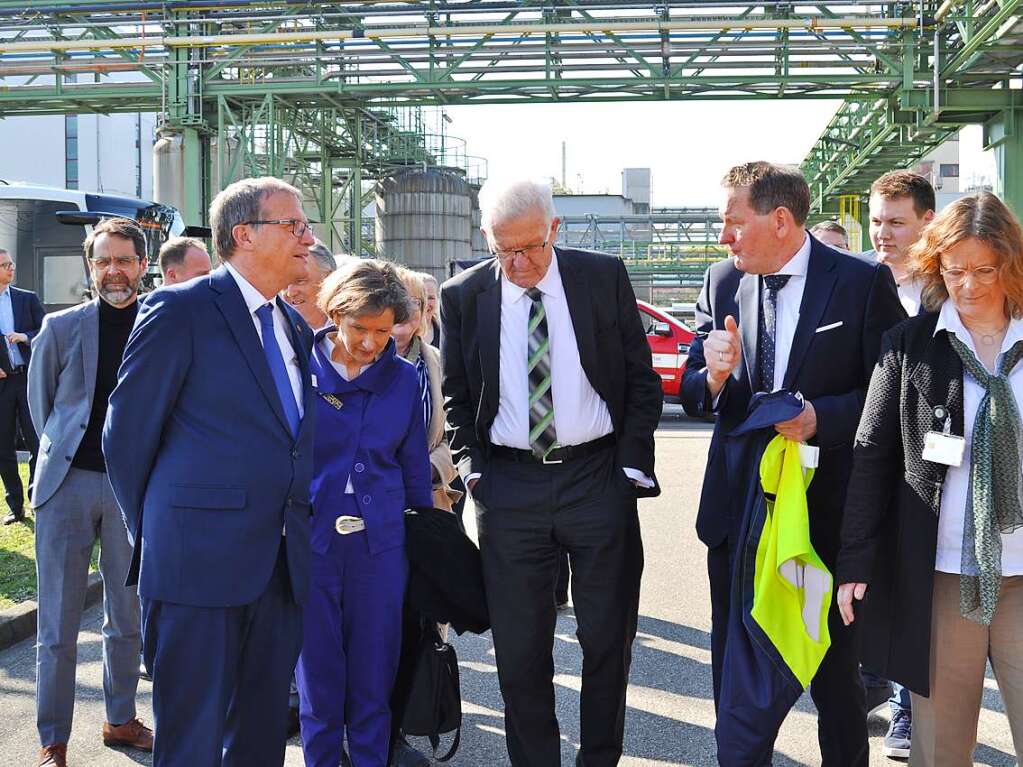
(949, 320)
(6, 291)
(550, 285)
(253, 298)
(797, 265)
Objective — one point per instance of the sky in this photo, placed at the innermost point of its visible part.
(688, 145)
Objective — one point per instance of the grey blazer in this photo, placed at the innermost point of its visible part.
(61, 384)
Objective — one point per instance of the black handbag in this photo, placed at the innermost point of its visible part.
(435, 701)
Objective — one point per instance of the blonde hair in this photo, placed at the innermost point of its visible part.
(977, 216)
(416, 288)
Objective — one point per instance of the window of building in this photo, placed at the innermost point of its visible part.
(950, 170)
(71, 151)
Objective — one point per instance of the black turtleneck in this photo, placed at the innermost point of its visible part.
(114, 328)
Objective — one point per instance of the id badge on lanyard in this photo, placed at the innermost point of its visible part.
(943, 446)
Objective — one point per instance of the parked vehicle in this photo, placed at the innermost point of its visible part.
(43, 229)
(669, 341)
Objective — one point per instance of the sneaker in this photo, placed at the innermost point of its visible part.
(144, 672)
(132, 733)
(900, 735)
(877, 696)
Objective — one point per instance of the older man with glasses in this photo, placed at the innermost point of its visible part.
(552, 404)
(209, 442)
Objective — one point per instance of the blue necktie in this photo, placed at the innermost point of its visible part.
(277, 368)
(772, 283)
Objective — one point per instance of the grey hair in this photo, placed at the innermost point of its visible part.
(240, 202)
(323, 257)
(502, 201)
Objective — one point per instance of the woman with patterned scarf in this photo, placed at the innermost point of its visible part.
(932, 545)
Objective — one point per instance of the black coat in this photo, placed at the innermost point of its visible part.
(613, 351)
(445, 583)
(890, 530)
(848, 302)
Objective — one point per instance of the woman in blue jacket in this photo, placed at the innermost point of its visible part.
(370, 464)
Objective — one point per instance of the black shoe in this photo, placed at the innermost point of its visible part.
(406, 756)
(877, 696)
(17, 515)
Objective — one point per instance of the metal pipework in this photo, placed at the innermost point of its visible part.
(477, 30)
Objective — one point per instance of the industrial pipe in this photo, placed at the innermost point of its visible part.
(311, 35)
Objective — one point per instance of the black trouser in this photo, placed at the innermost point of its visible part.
(564, 575)
(527, 513)
(14, 417)
(836, 689)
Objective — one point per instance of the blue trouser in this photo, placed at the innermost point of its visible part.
(220, 677)
(350, 654)
(900, 700)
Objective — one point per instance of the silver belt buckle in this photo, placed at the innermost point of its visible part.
(346, 525)
(549, 462)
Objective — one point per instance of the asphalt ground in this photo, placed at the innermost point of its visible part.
(670, 709)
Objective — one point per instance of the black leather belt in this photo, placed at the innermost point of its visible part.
(558, 454)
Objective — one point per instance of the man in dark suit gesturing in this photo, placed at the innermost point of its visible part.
(827, 311)
(552, 404)
(208, 443)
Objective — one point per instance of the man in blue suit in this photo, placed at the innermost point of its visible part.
(786, 312)
(21, 316)
(208, 442)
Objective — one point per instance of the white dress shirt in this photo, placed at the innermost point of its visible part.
(952, 515)
(790, 298)
(909, 295)
(580, 415)
(254, 300)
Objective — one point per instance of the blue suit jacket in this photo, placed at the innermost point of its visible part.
(372, 430)
(28, 319)
(199, 452)
(848, 302)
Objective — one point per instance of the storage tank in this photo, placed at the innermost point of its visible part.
(169, 170)
(231, 150)
(423, 220)
(477, 241)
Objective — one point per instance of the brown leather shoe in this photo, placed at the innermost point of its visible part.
(54, 755)
(133, 734)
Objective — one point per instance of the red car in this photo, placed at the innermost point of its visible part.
(669, 341)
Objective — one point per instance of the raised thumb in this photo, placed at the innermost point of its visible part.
(730, 325)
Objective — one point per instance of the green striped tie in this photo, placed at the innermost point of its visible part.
(542, 436)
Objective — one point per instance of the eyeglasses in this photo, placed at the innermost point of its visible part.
(8, 265)
(529, 252)
(298, 226)
(985, 275)
(122, 262)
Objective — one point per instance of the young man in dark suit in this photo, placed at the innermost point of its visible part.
(552, 404)
(827, 311)
(21, 316)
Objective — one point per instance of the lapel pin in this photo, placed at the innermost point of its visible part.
(331, 400)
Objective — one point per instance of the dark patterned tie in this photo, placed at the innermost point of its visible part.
(542, 437)
(768, 323)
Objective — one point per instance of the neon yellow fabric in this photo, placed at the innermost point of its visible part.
(791, 586)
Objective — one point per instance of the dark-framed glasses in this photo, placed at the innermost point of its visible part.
(121, 262)
(298, 226)
(528, 252)
(985, 275)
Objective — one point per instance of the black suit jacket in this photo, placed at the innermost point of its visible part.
(28, 318)
(890, 528)
(851, 301)
(613, 351)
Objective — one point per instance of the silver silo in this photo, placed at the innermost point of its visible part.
(423, 220)
(478, 242)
